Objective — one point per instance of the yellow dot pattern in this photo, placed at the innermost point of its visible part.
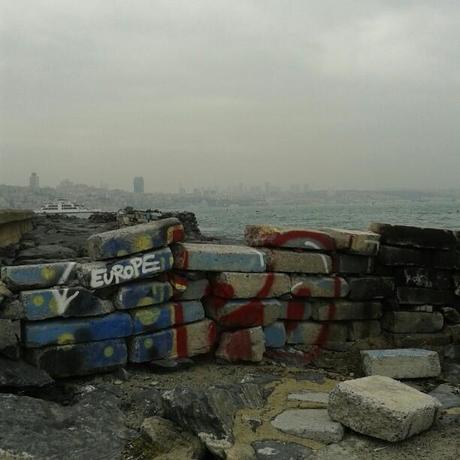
(145, 301)
(147, 316)
(148, 343)
(38, 300)
(66, 338)
(48, 273)
(108, 351)
(142, 243)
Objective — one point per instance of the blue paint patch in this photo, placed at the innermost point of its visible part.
(69, 331)
(148, 347)
(143, 294)
(275, 335)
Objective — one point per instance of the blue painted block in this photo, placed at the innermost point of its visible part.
(135, 239)
(143, 294)
(79, 359)
(167, 315)
(68, 331)
(275, 335)
(21, 277)
(218, 257)
(97, 275)
(65, 302)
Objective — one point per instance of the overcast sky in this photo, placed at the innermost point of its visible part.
(333, 93)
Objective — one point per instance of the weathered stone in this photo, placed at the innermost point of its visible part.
(309, 423)
(142, 294)
(63, 302)
(69, 331)
(178, 342)
(420, 296)
(406, 363)
(310, 333)
(52, 252)
(275, 335)
(276, 237)
(211, 409)
(359, 330)
(447, 395)
(451, 315)
(189, 285)
(169, 441)
(444, 260)
(12, 309)
(355, 241)
(454, 332)
(279, 260)
(166, 315)
(296, 310)
(396, 256)
(79, 359)
(353, 264)
(19, 374)
(423, 277)
(456, 279)
(311, 397)
(250, 285)
(97, 275)
(319, 286)
(270, 450)
(93, 428)
(22, 277)
(406, 322)
(242, 313)
(371, 287)
(218, 258)
(429, 340)
(382, 407)
(242, 345)
(342, 310)
(417, 237)
(136, 238)
(5, 293)
(10, 335)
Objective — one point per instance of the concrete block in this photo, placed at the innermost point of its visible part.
(242, 345)
(189, 285)
(456, 279)
(444, 260)
(279, 260)
(250, 285)
(358, 330)
(137, 238)
(79, 359)
(165, 316)
(22, 277)
(309, 423)
(297, 310)
(353, 264)
(420, 296)
(423, 277)
(371, 287)
(343, 310)
(417, 237)
(10, 334)
(276, 237)
(142, 294)
(319, 286)
(96, 275)
(69, 331)
(311, 333)
(355, 241)
(406, 363)
(64, 302)
(218, 258)
(407, 322)
(275, 335)
(179, 342)
(383, 408)
(433, 340)
(394, 256)
(242, 313)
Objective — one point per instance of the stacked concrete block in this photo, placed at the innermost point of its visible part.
(423, 263)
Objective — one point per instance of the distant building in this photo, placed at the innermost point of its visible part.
(34, 181)
(138, 184)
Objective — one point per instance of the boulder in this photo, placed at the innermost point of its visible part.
(382, 407)
(242, 345)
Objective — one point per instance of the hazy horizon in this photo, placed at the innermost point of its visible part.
(335, 94)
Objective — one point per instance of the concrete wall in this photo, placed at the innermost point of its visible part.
(13, 224)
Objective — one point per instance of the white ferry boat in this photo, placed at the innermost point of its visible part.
(65, 207)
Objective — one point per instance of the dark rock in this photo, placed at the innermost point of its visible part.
(451, 315)
(408, 322)
(94, 428)
(18, 374)
(447, 395)
(451, 372)
(370, 287)
(396, 256)
(421, 296)
(446, 260)
(353, 264)
(420, 277)
(271, 450)
(47, 252)
(12, 309)
(211, 410)
(10, 336)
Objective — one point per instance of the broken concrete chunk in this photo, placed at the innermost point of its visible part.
(218, 258)
(358, 330)
(394, 256)
(311, 333)
(406, 322)
(279, 260)
(242, 345)
(137, 238)
(275, 335)
(408, 363)
(353, 264)
(423, 277)
(296, 310)
(276, 237)
(142, 294)
(420, 296)
(319, 286)
(309, 423)
(382, 407)
(355, 241)
(342, 310)
(371, 287)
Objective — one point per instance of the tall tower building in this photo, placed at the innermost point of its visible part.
(34, 181)
(138, 184)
